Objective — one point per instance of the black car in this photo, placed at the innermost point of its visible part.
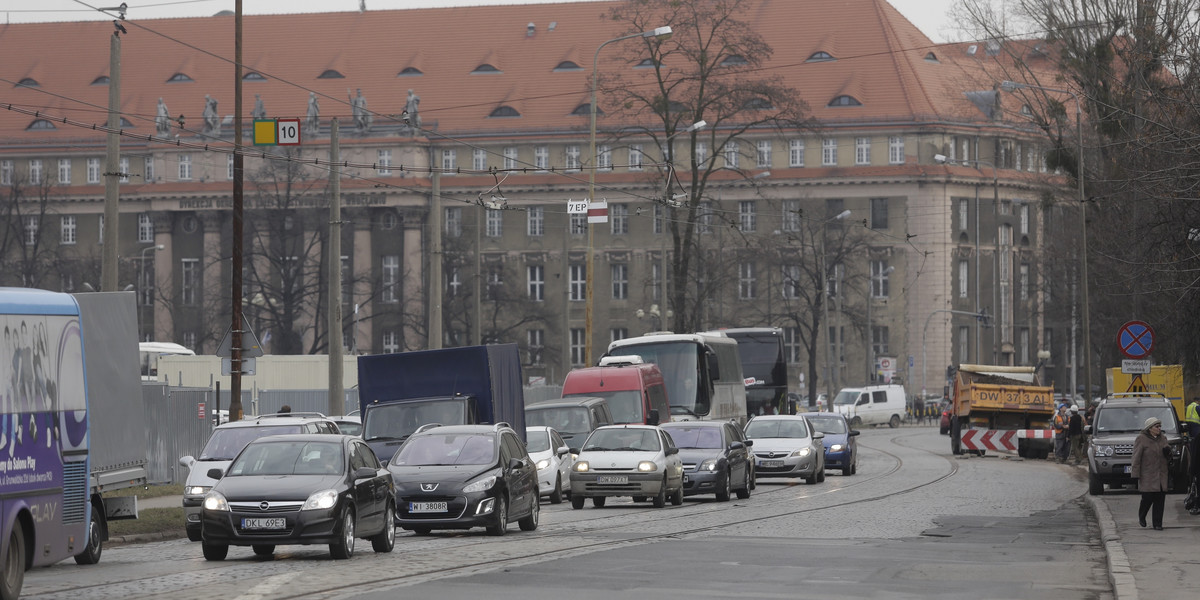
(300, 489)
(716, 458)
(464, 476)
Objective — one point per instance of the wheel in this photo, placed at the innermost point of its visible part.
(955, 436)
(677, 497)
(386, 540)
(895, 422)
(556, 497)
(13, 563)
(598, 501)
(194, 534)
(501, 524)
(821, 475)
(264, 549)
(95, 543)
(214, 551)
(725, 491)
(661, 499)
(744, 491)
(530, 522)
(753, 476)
(344, 547)
(1095, 486)
(576, 502)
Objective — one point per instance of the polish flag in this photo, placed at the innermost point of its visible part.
(598, 211)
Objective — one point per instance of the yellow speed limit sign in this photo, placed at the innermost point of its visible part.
(276, 132)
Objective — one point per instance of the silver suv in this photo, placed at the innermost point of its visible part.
(1117, 422)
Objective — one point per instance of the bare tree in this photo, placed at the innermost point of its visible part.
(26, 247)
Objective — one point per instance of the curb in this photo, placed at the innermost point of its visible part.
(1120, 575)
(142, 538)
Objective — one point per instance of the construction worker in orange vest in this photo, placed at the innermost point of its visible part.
(1059, 422)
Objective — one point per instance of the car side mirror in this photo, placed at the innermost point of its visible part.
(672, 450)
(515, 463)
(817, 435)
(736, 446)
(749, 443)
(853, 432)
(365, 473)
(1087, 429)
(653, 418)
(187, 461)
(563, 451)
(574, 450)
(215, 473)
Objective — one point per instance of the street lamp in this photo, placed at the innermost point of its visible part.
(659, 33)
(825, 300)
(1010, 86)
(941, 158)
(142, 287)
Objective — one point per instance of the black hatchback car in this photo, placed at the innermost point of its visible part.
(464, 476)
(716, 458)
(300, 489)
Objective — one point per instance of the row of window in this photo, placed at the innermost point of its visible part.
(1023, 282)
(1004, 209)
(31, 227)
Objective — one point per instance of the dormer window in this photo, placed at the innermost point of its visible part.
(252, 76)
(645, 64)
(845, 100)
(585, 109)
(820, 56)
(504, 111)
(410, 72)
(101, 80)
(1026, 111)
(125, 124)
(331, 74)
(41, 125)
(179, 78)
(567, 65)
(734, 61)
(931, 57)
(485, 68)
(28, 82)
(759, 104)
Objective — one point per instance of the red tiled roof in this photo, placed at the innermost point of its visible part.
(880, 60)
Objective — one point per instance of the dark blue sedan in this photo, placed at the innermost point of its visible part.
(841, 449)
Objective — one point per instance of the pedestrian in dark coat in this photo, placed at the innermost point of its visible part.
(1151, 460)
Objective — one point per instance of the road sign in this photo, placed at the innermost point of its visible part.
(1136, 339)
(1001, 440)
(264, 132)
(1131, 367)
(287, 132)
(247, 365)
(577, 207)
(250, 345)
(597, 211)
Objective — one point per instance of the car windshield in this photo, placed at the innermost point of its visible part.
(776, 428)
(696, 437)
(567, 420)
(1131, 419)
(226, 443)
(447, 449)
(539, 440)
(844, 398)
(398, 420)
(350, 427)
(625, 405)
(622, 440)
(831, 424)
(290, 458)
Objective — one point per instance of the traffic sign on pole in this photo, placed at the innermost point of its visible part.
(1136, 339)
(264, 132)
(287, 132)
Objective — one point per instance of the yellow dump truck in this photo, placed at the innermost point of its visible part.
(1001, 398)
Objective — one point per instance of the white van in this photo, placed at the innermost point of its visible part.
(871, 405)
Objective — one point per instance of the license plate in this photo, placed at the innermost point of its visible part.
(612, 479)
(1128, 469)
(428, 507)
(770, 463)
(276, 523)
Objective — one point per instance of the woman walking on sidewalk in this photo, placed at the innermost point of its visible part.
(1150, 468)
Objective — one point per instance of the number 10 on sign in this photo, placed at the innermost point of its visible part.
(287, 132)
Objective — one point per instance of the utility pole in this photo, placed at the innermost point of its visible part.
(235, 328)
(435, 261)
(112, 159)
(337, 394)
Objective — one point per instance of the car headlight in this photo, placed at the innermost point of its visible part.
(647, 466)
(1104, 450)
(322, 500)
(836, 448)
(580, 466)
(805, 451)
(709, 465)
(197, 490)
(215, 501)
(543, 464)
(481, 485)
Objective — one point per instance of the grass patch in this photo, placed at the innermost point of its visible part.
(154, 490)
(150, 520)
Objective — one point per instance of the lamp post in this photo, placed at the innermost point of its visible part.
(659, 33)
(142, 287)
(825, 300)
(870, 331)
(941, 158)
(1010, 86)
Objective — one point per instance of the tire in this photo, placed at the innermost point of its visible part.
(95, 543)
(661, 499)
(530, 522)
(500, 527)
(821, 476)
(639, 498)
(344, 547)
(677, 497)
(744, 492)
(556, 497)
(264, 549)
(1095, 486)
(214, 552)
(194, 534)
(386, 540)
(13, 564)
(577, 502)
(726, 490)
(894, 422)
(598, 501)
(955, 436)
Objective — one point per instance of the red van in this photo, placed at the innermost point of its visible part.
(634, 389)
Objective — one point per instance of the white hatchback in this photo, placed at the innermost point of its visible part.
(641, 461)
(553, 459)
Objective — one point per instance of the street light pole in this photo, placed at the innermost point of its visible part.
(941, 158)
(142, 287)
(659, 33)
(1009, 86)
(825, 303)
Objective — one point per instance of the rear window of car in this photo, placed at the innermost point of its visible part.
(447, 449)
(226, 443)
(776, 428)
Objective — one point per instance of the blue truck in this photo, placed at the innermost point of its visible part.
(400, 392)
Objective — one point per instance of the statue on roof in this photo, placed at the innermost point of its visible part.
(259, 112)
(312, 123)
(412, 116)
(162, 120)
(358, 109)
(212, 121)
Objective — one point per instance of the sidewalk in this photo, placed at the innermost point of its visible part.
(1141, 561)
